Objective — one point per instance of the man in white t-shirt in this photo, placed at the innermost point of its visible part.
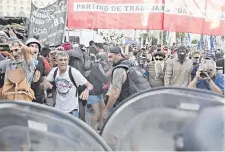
(66, 92)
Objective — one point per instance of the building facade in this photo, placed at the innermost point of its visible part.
(20, 8)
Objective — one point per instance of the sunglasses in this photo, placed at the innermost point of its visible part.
(196, 57)
(158, 59)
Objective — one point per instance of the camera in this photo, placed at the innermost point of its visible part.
(203, 74)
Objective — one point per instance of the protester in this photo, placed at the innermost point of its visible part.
(20, 66)
(117, 93)
(204, 58)
(156, 70)
(66, 79)
(207, 78)
(126, 79)
(178, 70)
(40, 70)
(98, 79)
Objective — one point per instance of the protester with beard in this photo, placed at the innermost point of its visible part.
(20, 56)
(207, 78)
(156, 70)
(117, 92)
(178, 69)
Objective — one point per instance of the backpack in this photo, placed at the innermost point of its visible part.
(16, 86)
(46, 65)
(136, 78)
(81, 61)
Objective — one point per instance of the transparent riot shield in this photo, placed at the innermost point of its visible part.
(32, 127)
(153, 119)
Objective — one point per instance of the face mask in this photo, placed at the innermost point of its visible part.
(181, 55)
(195, 60)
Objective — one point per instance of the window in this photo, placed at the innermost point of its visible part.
(1, 1)
(14, 8)
(42, 4)
(8, 8)
(21, 2)
(1, 8)
(14, 1)
(21, 8)
(7, 14)
(1, 13)
(14, 14)
(28, 8)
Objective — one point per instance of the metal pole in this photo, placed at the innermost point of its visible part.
(161, 38)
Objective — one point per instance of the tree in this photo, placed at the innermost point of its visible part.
(194, 41)
(180, 35)
(164, 37)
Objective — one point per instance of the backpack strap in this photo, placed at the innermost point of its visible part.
(55, 73)
(126, 67)
(72, 79)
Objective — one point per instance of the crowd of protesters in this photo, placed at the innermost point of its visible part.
(81, 79)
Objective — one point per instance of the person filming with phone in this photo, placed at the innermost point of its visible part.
(207, 78)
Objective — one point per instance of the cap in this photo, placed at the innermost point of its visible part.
(33, 40)
(116, 49)
(67, 46)
(159, 53)
(196, 54)
(209, 56)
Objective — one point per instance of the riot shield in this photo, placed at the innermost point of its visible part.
(153, 119)
(33, 127)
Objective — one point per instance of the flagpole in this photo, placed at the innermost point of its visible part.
(161, 38)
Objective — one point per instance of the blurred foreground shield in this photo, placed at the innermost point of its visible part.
(152, 119)
(32, 127)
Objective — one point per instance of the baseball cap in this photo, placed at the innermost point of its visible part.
(116, 50)
(196, 54)
(209, 56)
(67, 46)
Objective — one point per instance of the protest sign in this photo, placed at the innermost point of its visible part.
(49, 22)
(203, 17)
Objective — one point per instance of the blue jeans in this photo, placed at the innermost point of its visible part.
(75, 113)
(93, 99)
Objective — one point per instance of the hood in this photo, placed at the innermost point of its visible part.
(75, 52)
(33, 40)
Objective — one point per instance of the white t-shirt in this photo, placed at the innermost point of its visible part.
(66, 99)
